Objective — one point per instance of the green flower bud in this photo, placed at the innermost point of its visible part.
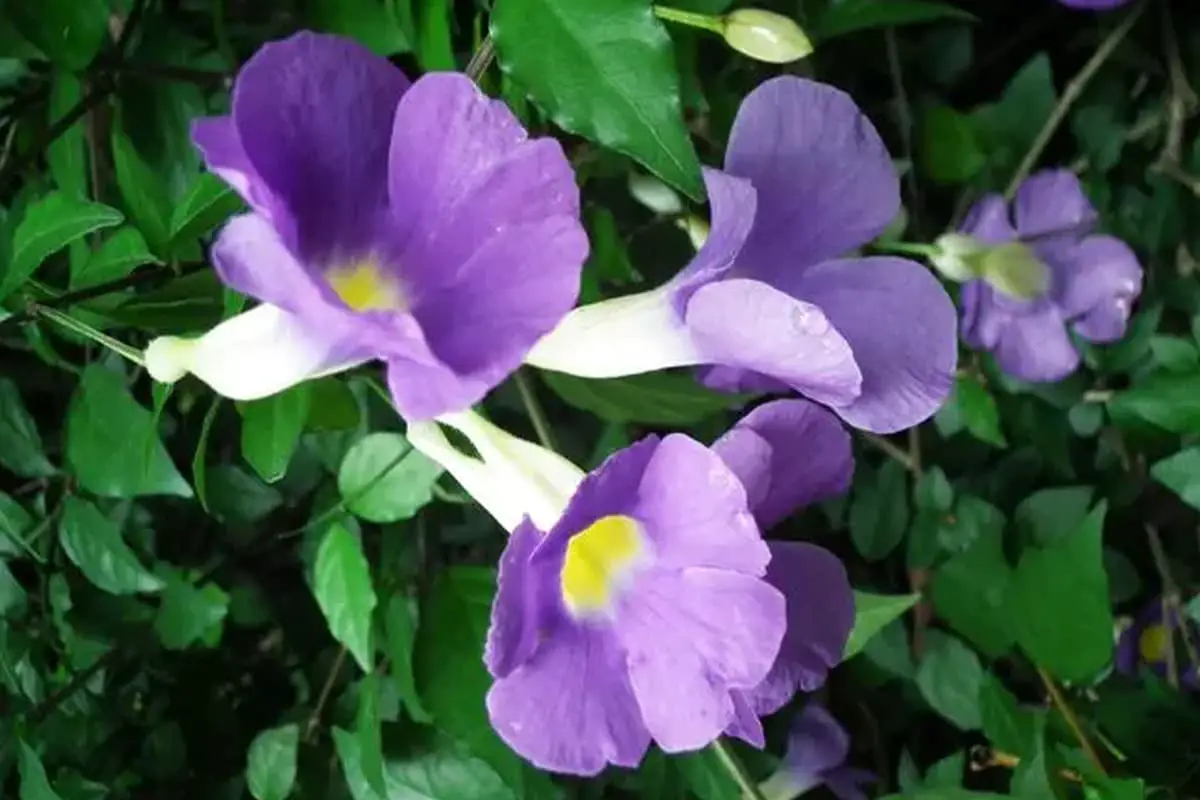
(654, 195)
(957, 256)
(765, 36)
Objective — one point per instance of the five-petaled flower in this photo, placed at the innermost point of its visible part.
(1094, 280)
(413, 223)
(636, 603)
(768, 303)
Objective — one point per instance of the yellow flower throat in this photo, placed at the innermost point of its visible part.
(598, 559)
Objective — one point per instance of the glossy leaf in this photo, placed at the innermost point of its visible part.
(49, 225)
(871, 613)
(271, 763)
(341, 582)
(271, 429)
(94, 543)
(650, 399)
(20, 443)
(383, 479)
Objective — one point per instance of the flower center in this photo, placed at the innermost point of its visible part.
(599, 559)
(363, 286)
(1153, 644)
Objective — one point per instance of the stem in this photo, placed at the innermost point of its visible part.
(892, 450)
(705, 21)
(87, 331)
(314, 719)
(482, 59)
(1068, 714)
(736, 771)
(908, 248)
(1071, 94)
(537, 415)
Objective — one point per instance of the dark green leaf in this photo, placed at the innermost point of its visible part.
(1166, 399)
(342, 585)
(871, 613)
(271, 429)
(49, 225)
(113, 446)
(20, 442)
(70, 32)
(435, 50)
(1053, 513)
(144, 193)
(1007, 726)
(968, 591)
(208, 202)
(271, 763)
(849, 16)
(235, 495)
(189, 613)
(400, 631)
(1058, 603)
(93, 542)
(1181, 474)
(372, 22)
(949, 148)
(563, 52)
(120, 255)
(12, 594)
(34, 783)
(383, 479)
(949, 677)
(66, 154)
(368, 730)
(978, 410)
(705, 775)
(15, 525)
(879, 511)
(657, 398)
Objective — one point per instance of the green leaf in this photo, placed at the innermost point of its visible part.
(235, 495)
(208, 202)
(70, 32)
(271, 429)
(66, 154)
(1010, 126)
(968, 591)
(435, 50)
(271, 763)
(1053, 513)
(400, 632)
(20, 443)
(1181, 474)
(949, 150)
(949, 677)
(879, 511)
(872, 612)
(144, 193)
(655, 398)
(849, 16)
(978, 409)
(199, 465)
(450, 673)
(12, 594)
(371, 22)
(384, 479)
(120, 255)
(1007, 726)
(1058, 603)
(342, 585)
(15, 524)
(189, 613)
(563, 52)
(49, 225)
(705, 775)
(93, 542)
(1168, 400)
(113, 447)
(35, 785)
(368, 730)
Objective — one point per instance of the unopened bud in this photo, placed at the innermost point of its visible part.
(765, 36)
(957, 256)
(169, 358)
(654, 195)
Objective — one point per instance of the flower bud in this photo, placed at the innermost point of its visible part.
(654, 195)
(957, 256)
(168, 358)
(765, 36)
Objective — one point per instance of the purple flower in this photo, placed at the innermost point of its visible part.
(1093, 280)
(816, 754)
(1148, 641)
(636, 603)
(767, 301)
(413, 223)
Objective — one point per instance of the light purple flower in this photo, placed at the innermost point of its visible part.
(636, 603)
(1147, 641)
(1094, 280)
(413, 223)
(816, 754)
(768, 302)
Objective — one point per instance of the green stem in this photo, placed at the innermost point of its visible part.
(482, 59)
(537, 415)
(736, 771)
(87, 331)
(705, 21)
(908, 248)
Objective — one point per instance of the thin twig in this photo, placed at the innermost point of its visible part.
(736, 771)
(1172, 599)
(1071, 95)
(482, 59)
(537, 415)
(314, 719)
(1068, 714)
(1182, 98)
(905, 123)
(892, 450)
